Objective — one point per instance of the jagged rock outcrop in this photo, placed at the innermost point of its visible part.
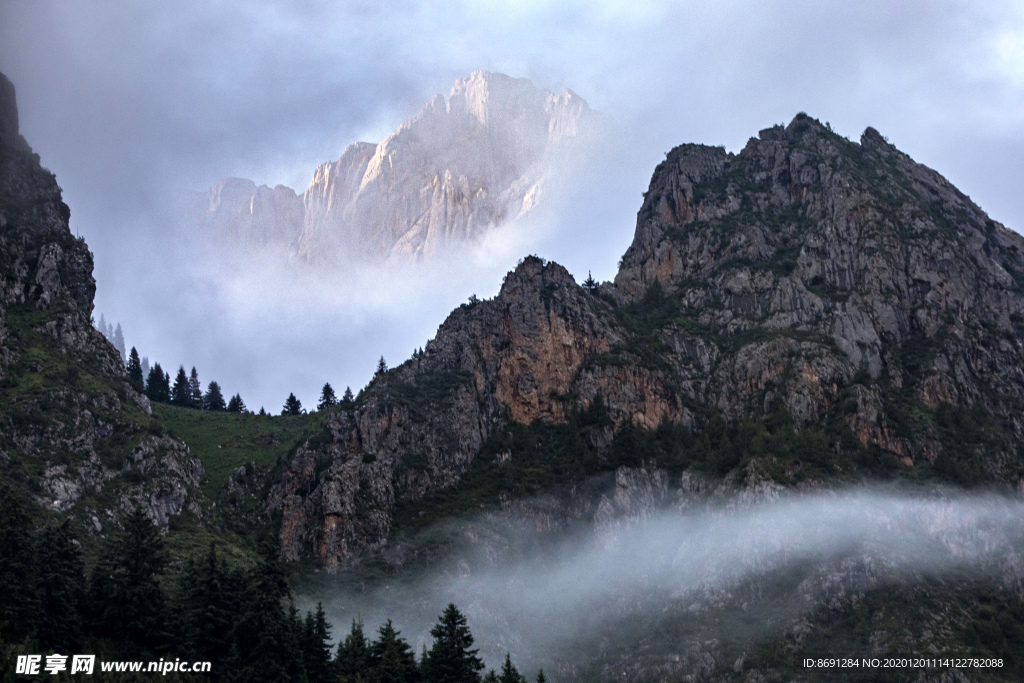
(456, 170)
(843, 282)
(72, 428)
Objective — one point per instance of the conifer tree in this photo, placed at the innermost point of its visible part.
(214, 399)
(236, 404)
(491, 677)
(158, 384)
(353, 659)
(541, 678)
(347, 399)
(118, 342)
(589, 284)
(266, 647)
(195, 389)
(125, 597)
(316, 647)
(451, 658)
(391, 658)
(327, 398)
(60, 573)
(509, 673)
(180, 394)
(102, 326)
(382, 367)
(135, 375)
(292, 406)
(209, 604)
(18, 604)
(145, 366)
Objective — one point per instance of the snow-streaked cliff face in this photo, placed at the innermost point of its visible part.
(453, 172)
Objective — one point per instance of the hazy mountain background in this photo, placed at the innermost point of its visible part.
(134, 106)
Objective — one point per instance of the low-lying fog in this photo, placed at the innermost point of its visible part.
(742, 572)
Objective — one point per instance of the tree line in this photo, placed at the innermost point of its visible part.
(134, 604)
(186, 391)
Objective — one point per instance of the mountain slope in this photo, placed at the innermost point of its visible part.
(74, 434)
(810, 279)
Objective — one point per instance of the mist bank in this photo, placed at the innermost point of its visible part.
(676, 585)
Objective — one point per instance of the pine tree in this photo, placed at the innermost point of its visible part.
(195, 389)
(118, 342)
(509, 673)
(347, 399)
(18, 601)
(353, 659)
(158, 384)
(214, 399)
(60, 573)
(391, 658)
(327, 398)
(541, 678)
(125, 597)
(589, 284)
(491, 677)
(292, 406)
(382, 367)
(102, 326)
(135, 375)
(263, 636)
(450, 659)
(145, 366)
(316, 647)
(209, 604)
(180, 394)
(236, 404)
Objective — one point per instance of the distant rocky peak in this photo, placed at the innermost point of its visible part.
(450, 174)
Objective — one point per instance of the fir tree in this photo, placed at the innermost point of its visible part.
(180, 394)
(125, 597)
(316, 647)
(347, 399)
(292, 406)
(102, 326)
(327, 398)
(491, 677)
(158, 384)
(145, 366)
(509, 673)
(214, 399)
(451, 658)
(236, 404)
(209, 605)
(135, 375)
(265, 644)
(541, 678)
(118, 342)
(382, 367)
(391, 658)
(589, 284)
(195, 389)
(18, 604)
(60, 573)
(353, 659)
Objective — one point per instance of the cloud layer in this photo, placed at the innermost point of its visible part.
(132, 105)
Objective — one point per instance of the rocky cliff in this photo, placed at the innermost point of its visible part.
(837, 288)
(74, 433)
(456, 170)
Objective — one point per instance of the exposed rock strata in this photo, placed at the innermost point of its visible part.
(842, 281)
(69, 418)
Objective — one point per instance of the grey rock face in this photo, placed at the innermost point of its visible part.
(69, 415)
(842, 281)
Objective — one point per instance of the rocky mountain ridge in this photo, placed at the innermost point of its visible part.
(451, 173)
(841, 284)
(73, 431)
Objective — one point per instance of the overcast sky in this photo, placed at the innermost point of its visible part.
(133, 104)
